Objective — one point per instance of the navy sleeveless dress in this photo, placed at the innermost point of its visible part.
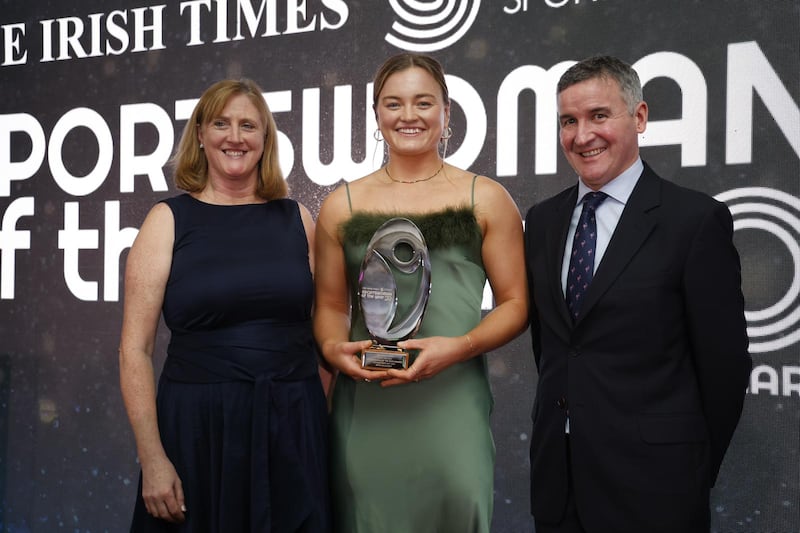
(241, 410)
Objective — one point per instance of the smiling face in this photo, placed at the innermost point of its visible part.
(411, 112)
(599, 134)
(233, 141)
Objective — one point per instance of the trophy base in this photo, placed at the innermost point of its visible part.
(379, 357)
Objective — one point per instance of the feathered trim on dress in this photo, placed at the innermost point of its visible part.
(454, 225)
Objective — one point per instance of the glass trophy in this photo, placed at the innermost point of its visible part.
(396, 253)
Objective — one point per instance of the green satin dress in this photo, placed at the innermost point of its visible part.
(418, 458)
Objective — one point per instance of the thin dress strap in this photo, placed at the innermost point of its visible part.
(349, 202)
(474, 179)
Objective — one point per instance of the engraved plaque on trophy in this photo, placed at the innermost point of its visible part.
(396, 252)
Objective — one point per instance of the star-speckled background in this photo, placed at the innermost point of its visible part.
(67, 455)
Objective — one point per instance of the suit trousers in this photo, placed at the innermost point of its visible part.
(570, 522)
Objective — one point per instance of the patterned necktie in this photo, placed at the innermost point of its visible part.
(581, 262)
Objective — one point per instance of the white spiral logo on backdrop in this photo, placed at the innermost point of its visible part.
(777, 213)
(425, 26)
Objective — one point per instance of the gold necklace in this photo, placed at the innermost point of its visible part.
(386, 168)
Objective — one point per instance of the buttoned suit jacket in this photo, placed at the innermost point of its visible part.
(653, 372)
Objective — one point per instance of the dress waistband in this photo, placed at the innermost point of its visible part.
(282, 352)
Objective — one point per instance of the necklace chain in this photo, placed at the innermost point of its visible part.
(386, 169)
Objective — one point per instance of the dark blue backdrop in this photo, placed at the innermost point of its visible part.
(94, 96)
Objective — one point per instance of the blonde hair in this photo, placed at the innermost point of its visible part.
(189, 161)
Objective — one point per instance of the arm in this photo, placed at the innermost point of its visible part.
(325, 370)
(332, 307)
(504, 261)
(717, 328)
(146, 276)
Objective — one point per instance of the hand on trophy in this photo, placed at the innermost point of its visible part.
(434, 355)
(346, 358)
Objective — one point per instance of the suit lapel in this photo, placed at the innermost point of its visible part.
(634, 226)
(556, 240)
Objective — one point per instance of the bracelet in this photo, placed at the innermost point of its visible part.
(471, 346)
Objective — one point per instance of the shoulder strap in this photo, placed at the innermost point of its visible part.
(349, 202)
(474, 179)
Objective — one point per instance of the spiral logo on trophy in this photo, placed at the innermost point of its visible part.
(396, 252)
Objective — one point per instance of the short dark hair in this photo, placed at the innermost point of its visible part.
(607, 67)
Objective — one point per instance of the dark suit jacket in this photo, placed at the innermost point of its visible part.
(653, 373)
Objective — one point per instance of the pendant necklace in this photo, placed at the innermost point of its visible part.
(386, 169)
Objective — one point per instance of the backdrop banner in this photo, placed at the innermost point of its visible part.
(96, 93)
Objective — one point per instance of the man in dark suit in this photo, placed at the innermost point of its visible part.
(640, 338)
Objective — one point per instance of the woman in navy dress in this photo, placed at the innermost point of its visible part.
(233, 437)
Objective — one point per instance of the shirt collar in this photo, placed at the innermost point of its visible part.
(621, 187)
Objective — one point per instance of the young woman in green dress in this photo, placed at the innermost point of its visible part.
(412, 449)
